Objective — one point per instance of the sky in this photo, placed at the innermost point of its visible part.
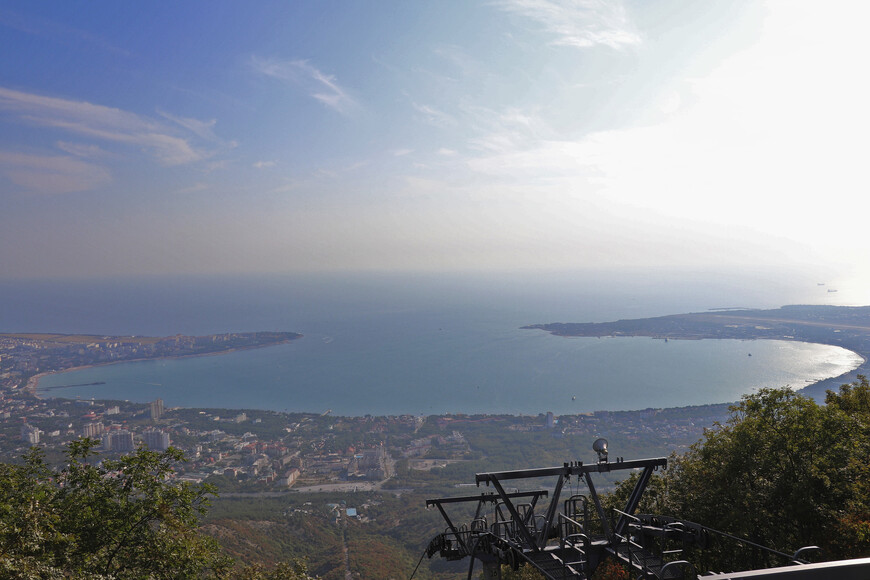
(221, 137)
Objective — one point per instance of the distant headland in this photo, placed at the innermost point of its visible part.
(26, 357)
(844, 326)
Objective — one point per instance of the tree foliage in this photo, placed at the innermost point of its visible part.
(782, 471)
(117, 518)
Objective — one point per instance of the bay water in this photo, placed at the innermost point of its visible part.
(392, 343)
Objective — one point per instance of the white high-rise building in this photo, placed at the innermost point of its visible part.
(93, 430)
(119, 441)
(30, 434)
(156, 409)
(156, 440)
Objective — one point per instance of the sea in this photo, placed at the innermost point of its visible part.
(427, 343)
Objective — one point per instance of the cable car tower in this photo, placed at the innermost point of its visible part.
(509, 528)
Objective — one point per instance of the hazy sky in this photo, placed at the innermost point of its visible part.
(211, 137)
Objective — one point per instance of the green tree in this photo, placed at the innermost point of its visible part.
(852, 531)
(782, 471)
(295, 570)
(116, 518)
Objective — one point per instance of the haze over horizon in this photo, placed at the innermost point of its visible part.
(510, 135)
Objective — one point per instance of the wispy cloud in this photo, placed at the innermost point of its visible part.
(162, 141)
(320, 86)
(264, 164)
(82, 149)
(519, 145)
(52, 174)
(203, 129)
(401, 152)
(509, 131)
(578, 23)
(433, 116)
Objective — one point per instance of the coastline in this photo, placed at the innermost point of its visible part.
(835, 381)
(33, 382)
(815, 389)
(818, 389)
(846, 327)
(32, 385)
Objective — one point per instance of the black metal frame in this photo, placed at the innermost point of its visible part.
(522, 540)
(637, 540)
(565, 471)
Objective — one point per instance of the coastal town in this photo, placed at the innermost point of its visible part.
(265, 450)
(26, 356)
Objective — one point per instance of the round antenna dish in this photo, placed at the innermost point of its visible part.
(600, 446)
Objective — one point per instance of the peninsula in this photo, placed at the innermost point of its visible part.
(24, 357)
(844, 326)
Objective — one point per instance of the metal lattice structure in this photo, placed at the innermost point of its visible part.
(569, 540)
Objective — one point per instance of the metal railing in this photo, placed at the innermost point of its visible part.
(692, 534)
